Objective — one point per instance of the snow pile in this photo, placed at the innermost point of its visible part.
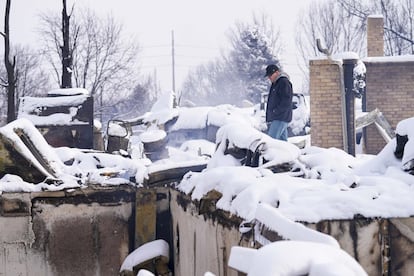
(68, 92)
(405, 128)
(144, 272)
(68, 167)
(102, 168)
(334, 185)
(300, 116)
(203, 116)
(323, 184)
(244, 137)
(372, 186)
(31, 108)
(145, 253)
(10, 132)
(289, 229)
(163, 109)
(294, 258)
(15, 184)
(170, 118)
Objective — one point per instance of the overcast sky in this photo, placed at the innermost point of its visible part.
(199, 28)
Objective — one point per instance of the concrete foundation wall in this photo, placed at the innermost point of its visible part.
(202, 242)
(90, 232)
(87, 233)
(360, 238)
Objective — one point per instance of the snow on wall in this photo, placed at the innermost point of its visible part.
(31, 108)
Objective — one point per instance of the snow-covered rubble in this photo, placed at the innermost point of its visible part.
(319, 184)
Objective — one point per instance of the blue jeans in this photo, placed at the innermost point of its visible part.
(278, 130)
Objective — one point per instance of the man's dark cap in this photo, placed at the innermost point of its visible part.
(270, 69)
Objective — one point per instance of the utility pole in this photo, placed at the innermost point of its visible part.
(173, 60)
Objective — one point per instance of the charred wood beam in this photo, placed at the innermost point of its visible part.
(171, 175)
(376, 117)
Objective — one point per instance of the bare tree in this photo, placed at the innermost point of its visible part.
(59, 56)
(32, 80)
(398, 21)
(103, 62)
(328, 21)
(10, 83)
(67, 49)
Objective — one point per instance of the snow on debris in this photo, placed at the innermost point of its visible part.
(323, 184)
(334, 185)
(294, 258)
(10, 132)
(72, 167)
(32, 107)
(289, 229)
(68, 92)
(145, 253)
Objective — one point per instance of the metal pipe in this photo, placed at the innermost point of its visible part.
(348, 65)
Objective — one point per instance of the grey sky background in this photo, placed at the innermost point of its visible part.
(199, 27)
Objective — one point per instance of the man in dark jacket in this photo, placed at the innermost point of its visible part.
(279, 103)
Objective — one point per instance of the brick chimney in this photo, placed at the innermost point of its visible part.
(375, 36)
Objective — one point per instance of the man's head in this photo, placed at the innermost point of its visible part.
(271, 70)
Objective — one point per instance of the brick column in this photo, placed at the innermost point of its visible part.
(325, 104)
(375, 36)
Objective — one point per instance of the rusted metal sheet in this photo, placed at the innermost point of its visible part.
(146, 215)
(14, 207)
(161, 177)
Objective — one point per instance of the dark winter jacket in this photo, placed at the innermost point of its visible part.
(279, 101)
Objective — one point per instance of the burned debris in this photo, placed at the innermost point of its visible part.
(65, 117)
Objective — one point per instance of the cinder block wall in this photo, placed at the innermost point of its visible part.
(390, 88)
(325, 104)
(83, 232)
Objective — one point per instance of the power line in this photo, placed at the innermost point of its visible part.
(156, 46)
(155, 65)
(180, 46)
(154, 56)
(197, 47)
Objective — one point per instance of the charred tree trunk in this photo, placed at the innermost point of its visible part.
(66, 51)
(10, 68)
